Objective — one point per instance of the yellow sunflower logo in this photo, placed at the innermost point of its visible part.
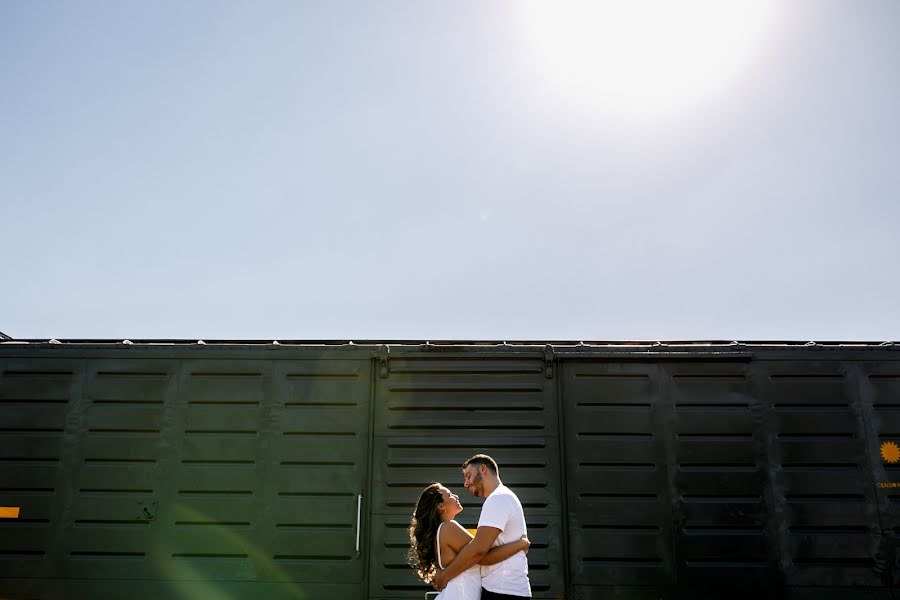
(890, 452)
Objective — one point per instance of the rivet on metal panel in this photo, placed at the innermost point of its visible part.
(548, 361)
(384, 360)
(147, 510)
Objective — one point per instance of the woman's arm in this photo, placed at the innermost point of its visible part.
(458, 538)
(501, 553)
(469, 550)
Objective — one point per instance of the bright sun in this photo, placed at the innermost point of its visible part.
(644, 56)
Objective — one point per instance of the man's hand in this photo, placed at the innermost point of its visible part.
(527, 542)
(439, 582)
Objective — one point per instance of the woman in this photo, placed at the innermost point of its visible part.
(435, 540)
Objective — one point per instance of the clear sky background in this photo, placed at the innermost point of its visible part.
(417, 170)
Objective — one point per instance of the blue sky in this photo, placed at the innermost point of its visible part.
(373, 170)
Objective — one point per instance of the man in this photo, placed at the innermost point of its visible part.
(502, 520)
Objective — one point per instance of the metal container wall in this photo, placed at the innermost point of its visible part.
(247, 470)
(431, 414)
(692, 478)
(879, 384)
(619, 505)
(198, 473)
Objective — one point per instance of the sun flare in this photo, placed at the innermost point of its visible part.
(644, 56)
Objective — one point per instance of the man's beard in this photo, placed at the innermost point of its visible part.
(478, 485)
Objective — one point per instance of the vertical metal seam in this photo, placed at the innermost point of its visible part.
(881, 541)
(265, 448)
(70, 468)
(760, 381)
(764, 441)
(665, 421)
(165, 454)
(172, 435)
(562, 440)
(366, 544)
(870, 436)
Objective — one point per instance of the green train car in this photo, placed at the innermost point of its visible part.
(244, 470)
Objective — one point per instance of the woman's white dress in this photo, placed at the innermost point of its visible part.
(466, 585)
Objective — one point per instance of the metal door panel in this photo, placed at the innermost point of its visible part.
(432, 413)
(618, 495)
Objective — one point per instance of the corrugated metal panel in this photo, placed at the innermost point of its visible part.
(431, 414)
(675, 474)
(216, 522)
(320, 465)
(35, 399)
(824, 498)
(620, 525)
(118, 453)
(182, 589)
(756, 474)
(721, 497)
(880, 395)
(221, 470)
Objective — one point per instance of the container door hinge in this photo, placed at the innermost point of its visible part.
(384, 361)
(548, 361)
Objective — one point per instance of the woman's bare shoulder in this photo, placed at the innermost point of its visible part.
(457, 528)
(455, 534)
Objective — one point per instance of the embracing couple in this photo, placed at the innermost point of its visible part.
(492, 564)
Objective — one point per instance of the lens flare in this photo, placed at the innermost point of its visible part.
(644, 56)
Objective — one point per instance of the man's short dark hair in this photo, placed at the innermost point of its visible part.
(483, 459)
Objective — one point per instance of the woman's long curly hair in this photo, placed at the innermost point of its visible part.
(422, 531)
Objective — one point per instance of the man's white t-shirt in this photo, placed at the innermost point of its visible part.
(503, 510)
